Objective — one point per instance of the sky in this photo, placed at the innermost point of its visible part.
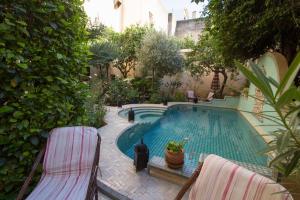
(177, 7)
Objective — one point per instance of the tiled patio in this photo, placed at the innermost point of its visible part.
(118, 172)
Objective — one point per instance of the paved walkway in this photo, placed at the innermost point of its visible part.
(117, 170)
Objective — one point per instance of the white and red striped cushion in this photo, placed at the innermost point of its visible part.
(67, 164)
(221, 179)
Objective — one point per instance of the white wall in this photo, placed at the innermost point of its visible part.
(104, 11)
(133, 12)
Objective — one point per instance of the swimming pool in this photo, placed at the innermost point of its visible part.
(208, 130)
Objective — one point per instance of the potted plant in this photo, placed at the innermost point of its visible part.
(174, 154)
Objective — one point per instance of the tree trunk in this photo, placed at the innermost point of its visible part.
(289, 46)
(223, 72)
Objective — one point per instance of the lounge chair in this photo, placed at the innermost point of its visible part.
(191, 95)
(210, 96)
(217, 178)
(70, 166)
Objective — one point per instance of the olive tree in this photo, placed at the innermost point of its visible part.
(159, 55)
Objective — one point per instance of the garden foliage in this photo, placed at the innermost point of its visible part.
(284, 98)
(247, 29)
(43, 56)
(128, 43)
(159, 55)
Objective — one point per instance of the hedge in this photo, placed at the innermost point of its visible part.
(42, 58)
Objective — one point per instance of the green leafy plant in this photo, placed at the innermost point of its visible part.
(179, 96)
(284, 98)
(175, 147)
(159, 55)
(128, 43)
(103, 53)
(94, 103)
(43, 50)
(245, 29)
(120, 91)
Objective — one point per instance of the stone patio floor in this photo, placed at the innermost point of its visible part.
(117, 171)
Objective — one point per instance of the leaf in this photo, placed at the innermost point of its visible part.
(22, 44)
(18, 114)
(282, 156)
(273, 82)
(59, 56)
(22, 65)
(6, 109)
(34, 140)
(13, 83)
(49, 78)
(53, 25)
(255, 80)
(3, 27)
(2, 161)
(291, 165)
(289, 76)
(290, 95)
(259, 73)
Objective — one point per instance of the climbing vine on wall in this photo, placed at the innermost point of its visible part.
(42, 58)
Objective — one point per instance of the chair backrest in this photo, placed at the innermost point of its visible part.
(70, 150)
(190, 94)
(222, 179)
(210, 96)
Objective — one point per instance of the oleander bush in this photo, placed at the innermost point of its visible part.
(43, 56)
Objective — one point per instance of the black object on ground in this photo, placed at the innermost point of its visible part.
(165, 102)
(119, 104)
(141, 156)
(131, 115)
(195, 100)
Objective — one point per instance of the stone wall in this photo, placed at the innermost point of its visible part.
(201, 85)
(189, 28)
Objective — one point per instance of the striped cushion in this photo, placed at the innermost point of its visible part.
(67, 163)
(222, 179)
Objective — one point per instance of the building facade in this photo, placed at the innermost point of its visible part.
(120, 14)
(189, 28)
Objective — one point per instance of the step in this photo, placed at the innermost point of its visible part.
(157, 167)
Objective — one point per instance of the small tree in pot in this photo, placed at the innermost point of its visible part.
(174, 154)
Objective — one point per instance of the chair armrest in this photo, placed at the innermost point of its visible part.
(188, 184)
(29, 178)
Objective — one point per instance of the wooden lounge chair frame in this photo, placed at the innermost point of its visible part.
(92, 187)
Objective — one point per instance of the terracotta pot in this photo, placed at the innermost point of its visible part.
(174, 160)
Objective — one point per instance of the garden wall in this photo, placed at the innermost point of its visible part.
(201, 85)
(275, 66)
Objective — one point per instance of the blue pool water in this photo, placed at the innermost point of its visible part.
(209, 130)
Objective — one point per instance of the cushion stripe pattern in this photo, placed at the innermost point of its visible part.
(67, 164)
(221, 179)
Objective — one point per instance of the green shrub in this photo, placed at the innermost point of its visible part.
(143, 86)
(43, 56)
(179, 96)
(120, 91)
(156, 98)
(94, 103)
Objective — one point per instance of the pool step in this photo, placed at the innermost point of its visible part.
(157, 167)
